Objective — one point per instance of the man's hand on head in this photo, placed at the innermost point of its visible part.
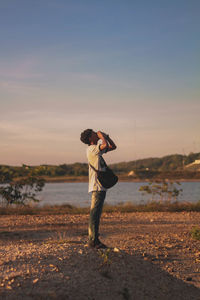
(102, 135)
(99, 134)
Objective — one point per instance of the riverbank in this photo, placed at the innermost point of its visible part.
(152, 256)
(122, 178)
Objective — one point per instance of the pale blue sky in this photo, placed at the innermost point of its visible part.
(129, 68)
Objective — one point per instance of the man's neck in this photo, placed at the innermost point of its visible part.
(93, 143)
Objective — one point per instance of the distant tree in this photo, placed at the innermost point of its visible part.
(21, 191)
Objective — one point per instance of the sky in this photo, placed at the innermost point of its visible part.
(129, 68)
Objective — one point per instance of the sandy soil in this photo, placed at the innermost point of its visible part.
(152, 256)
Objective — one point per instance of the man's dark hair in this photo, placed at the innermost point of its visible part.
(85, 135)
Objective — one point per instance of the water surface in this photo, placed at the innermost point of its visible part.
(77, 193)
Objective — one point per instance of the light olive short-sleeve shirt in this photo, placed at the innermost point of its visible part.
(94, 155)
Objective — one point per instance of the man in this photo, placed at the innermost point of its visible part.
(95, 151)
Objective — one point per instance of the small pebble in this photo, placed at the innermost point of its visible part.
(116, 249)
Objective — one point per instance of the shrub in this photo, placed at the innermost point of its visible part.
(164, 190)
(21, 191)
(195, 233)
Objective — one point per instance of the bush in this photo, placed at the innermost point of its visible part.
(164, 190)
(195, 233)
(21, 191)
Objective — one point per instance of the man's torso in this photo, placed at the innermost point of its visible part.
(94, 155)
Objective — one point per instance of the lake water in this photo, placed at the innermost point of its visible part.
(77, 193)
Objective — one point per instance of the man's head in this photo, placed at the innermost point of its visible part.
(89, 137)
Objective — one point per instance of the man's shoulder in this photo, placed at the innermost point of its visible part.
(95, 149)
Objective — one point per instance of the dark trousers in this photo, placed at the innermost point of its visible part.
(97, 202)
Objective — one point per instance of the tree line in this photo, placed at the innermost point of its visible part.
(174, 162)
(171, 165)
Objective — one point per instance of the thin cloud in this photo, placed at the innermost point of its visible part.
(20, 70)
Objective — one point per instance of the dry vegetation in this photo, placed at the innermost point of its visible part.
(124, 207)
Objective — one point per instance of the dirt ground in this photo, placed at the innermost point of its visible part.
(152, 256)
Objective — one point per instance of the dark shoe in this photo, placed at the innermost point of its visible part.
(100, 245)
(91, 244)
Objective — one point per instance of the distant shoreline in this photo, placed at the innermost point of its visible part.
(79, 179)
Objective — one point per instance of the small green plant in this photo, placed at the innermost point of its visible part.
(105, 255)
(195, 233)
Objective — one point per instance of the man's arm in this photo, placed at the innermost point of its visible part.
(111, 145)
(104, 144)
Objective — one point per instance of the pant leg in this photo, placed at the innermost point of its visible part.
(97, 202)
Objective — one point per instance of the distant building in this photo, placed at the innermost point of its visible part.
(132, 173)
(197, 161)
(195, 165)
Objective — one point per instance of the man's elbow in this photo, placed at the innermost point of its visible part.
(113, 147)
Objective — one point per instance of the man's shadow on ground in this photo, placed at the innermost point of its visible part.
(95, 274)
